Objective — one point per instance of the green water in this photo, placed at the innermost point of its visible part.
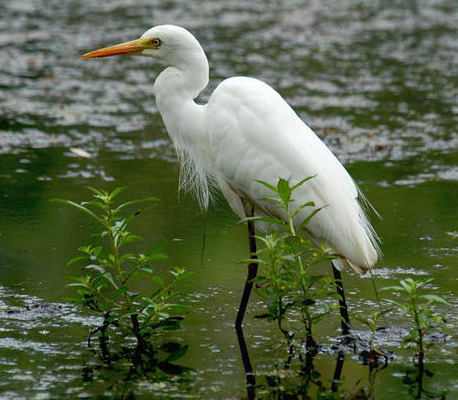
(377, 82)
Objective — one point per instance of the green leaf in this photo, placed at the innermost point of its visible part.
(110, 279)
(302, 182)
(81, 285)
(102, 254)
(127, 257)
(132, 238)
(84, 279)
(158, 280)
(289, 257)
(95, 267)
(95, 203)
(408, 285)
(267, 185)
(274, 199)
(307, 220)
(397, 304)
(120, 291)
(186, 275)
(177, 271)
(146, 268)
(79, 207)
(76, 259)
(98, 192)
(116, 192)
(434, 298)
(130, 203)
(297, 210)
(364, 321)
(383, 312)
(391, 288)
(284, 191)
(265, 219)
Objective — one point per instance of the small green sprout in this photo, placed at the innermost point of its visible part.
(418, 307)
(371, 321)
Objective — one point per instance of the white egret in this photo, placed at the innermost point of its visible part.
(247, 132)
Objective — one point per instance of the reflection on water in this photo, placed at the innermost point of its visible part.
(35, 333)
(415, 379)
(289, 381)
(376, 80)
(126, 373)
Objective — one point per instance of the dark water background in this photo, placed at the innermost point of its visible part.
(376, 80)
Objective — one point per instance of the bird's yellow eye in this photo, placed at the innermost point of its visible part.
(156, 42)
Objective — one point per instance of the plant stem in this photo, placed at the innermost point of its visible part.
(115, 249)
(305, 309)
(299, 259)
(419, 330)
(417, 321)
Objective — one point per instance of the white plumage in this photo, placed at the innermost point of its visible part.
(247, 132)
(255, 135)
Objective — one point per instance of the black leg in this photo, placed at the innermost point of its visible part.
(345, 323)
(252, 271)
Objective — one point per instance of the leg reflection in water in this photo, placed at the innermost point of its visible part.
(250, 377)
(297, 377)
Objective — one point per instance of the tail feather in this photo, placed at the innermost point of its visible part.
(342, 263)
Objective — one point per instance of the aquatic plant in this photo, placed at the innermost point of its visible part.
(288, 256)
(417, 306)
(371, 321)
(108, 286)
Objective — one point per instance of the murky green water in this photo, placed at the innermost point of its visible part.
(375, 79)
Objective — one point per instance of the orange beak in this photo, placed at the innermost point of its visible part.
(132, 47)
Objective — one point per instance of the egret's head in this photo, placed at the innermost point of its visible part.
(169, 43)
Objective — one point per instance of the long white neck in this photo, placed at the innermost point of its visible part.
(175, 90)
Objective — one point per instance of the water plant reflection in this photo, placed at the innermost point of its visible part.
(414, 378)
(127, 373)
(297, 377)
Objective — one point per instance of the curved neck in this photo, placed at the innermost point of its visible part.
(175, 90)
(185, 78)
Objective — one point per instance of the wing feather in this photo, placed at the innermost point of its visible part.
(255, 135)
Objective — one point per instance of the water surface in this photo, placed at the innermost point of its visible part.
(376, 81)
